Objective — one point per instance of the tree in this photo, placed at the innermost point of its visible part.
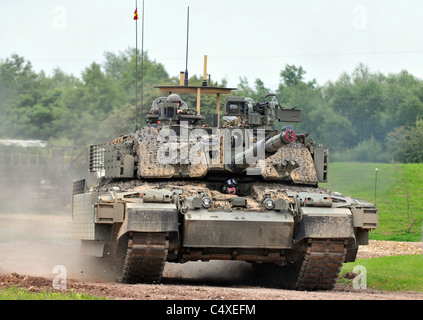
(406, 143)
(20, 90)
(257, 94)
(360, 99)
(359, 114)
(403, 100)
(293, 76)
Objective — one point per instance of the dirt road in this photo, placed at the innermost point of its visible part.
(32, 245)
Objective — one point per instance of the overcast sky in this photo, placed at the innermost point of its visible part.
(255, 39)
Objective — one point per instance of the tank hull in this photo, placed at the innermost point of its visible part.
(141, 226)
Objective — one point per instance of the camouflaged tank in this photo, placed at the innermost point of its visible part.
(177, 190)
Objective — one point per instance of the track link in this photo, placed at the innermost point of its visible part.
(145, 258)
(321, 265)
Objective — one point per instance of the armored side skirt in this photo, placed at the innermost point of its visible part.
(238, 229)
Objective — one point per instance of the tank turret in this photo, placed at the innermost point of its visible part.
(177, 144)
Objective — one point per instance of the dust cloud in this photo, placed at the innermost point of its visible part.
(34, 244)
(36, 235)
(36, 220)
(212, 272)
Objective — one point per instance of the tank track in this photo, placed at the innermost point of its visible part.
(321, 265)
(145, 258)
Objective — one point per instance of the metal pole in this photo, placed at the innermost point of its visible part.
(186, 59)
(376, 184)
(136, 68)
(142, 58)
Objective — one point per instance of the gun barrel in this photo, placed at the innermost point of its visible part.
(275, 143)
(262, 149)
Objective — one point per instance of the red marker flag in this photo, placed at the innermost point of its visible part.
(136, 14)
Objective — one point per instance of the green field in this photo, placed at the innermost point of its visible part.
(16, 293)
(398, 196)
(395, 273)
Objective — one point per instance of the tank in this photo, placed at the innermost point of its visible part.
(179, 190)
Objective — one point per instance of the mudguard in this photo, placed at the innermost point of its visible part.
(149, 217)
(325, 223)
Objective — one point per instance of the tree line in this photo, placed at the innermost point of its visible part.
(362, 116)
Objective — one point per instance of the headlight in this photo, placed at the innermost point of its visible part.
(269, 204)
(207, 202)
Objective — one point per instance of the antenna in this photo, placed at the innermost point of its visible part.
(186, 62)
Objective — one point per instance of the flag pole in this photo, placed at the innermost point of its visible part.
(136, 64)
(142, 57)
(186, 80)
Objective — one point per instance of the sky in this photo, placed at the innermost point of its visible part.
(242, 38)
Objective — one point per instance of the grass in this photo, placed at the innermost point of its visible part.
(17, 293)
(395, 273)
(398, 196)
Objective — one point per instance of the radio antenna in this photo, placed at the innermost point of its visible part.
(186, 59)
